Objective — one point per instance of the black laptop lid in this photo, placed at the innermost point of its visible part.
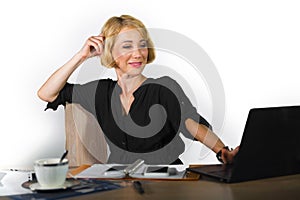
(270, 144)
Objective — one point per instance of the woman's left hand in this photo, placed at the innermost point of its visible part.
(228, 156)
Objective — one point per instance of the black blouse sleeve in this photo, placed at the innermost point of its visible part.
(75, 93)
(65, 95)
(187, 109)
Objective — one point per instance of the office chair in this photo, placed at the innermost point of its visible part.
(85, 140)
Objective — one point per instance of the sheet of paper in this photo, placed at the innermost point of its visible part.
(98, 171)
(2, 174)
(11, 183)
(180, 172)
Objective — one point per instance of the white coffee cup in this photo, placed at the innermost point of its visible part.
(50, 172)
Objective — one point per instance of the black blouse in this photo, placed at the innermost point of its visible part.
(151, 129)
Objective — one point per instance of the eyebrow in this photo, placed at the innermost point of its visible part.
(142, 40)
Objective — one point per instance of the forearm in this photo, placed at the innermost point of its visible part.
(51, 88)
(204, 135)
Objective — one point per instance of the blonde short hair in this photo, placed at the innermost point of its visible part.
(112, 28)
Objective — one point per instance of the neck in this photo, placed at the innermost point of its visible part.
(129, 83)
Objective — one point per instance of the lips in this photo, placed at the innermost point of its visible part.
(135, 64)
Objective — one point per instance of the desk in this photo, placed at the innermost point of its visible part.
(285, 187)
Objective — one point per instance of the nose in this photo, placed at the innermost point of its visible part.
(136, 53)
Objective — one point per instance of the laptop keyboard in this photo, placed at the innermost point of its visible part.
(222, 171)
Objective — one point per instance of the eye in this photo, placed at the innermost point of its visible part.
(127, 46)
(143, 45)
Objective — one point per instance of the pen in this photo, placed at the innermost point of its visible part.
(138, 187)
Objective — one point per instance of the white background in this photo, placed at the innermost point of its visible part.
(254, 45)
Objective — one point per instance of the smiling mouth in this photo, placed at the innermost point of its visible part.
(136, 64)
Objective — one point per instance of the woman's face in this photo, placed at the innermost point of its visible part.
(130, 52)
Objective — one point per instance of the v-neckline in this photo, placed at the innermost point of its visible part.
(123, 110)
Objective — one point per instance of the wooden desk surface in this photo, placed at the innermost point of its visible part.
(285, 187)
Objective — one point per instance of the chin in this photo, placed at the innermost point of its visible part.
(136, 70)
(133, 74)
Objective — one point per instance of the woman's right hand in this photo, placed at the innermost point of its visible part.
(94, 46)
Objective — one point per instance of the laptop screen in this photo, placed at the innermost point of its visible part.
(270, 144)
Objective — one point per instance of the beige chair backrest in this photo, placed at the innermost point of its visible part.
(85, 140)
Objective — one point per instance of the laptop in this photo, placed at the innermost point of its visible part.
(270, 147)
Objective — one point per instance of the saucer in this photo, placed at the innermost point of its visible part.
(67, 184)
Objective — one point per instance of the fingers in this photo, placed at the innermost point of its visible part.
(236, 150)
(228, 156)
(97, 43)
(94, 46)
(101, 35)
